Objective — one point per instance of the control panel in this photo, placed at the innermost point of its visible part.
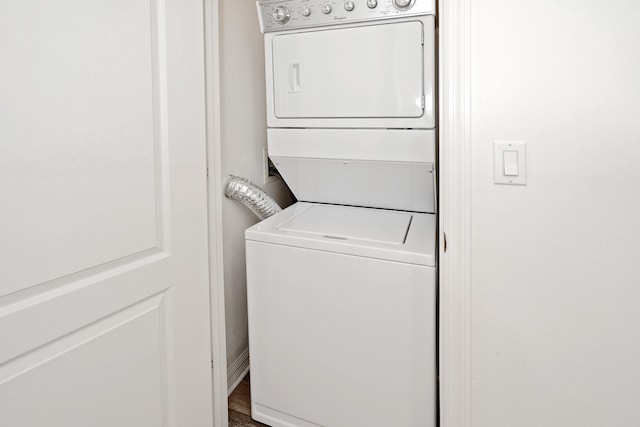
(280, 15)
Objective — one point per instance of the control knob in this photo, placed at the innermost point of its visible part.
(371, 4)
(326, 8)
(281, 14)
(306, 11)
(348, 6)
(403, 4)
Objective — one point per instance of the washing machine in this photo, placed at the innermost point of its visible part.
(341, 285)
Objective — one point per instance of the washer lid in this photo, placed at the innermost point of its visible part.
(408, 237)
(345, 222)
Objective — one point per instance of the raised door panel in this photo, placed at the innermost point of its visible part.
(107, 373)
(80, 139)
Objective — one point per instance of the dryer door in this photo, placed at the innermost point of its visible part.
(374, 71)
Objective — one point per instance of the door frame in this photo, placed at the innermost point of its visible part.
(215, 194)
(455, 212)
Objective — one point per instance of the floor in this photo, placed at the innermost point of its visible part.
(240, 406)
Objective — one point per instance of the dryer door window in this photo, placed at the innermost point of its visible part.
(373, 71)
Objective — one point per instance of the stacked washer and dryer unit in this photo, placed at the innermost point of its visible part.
(342, 284)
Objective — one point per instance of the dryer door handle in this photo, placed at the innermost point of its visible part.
(294, 76)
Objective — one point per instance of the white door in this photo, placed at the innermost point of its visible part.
(103, 234)
(373, 71)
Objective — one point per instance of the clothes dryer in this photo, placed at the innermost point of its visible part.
(342, 285)
(369, 67)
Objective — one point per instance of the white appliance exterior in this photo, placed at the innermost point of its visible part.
(342, 330)
(383, 9)
(382, 168)
(295, 226)
(378, 74)
(341, 286)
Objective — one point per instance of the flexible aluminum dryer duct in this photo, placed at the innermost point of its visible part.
(251, 196)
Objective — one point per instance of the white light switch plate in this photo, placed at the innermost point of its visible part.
(510, 174)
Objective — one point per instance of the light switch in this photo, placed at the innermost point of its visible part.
(510, 162)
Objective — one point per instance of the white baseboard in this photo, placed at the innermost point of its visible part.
(237, 371)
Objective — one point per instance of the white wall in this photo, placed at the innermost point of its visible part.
(243, 128)
(555, 275)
